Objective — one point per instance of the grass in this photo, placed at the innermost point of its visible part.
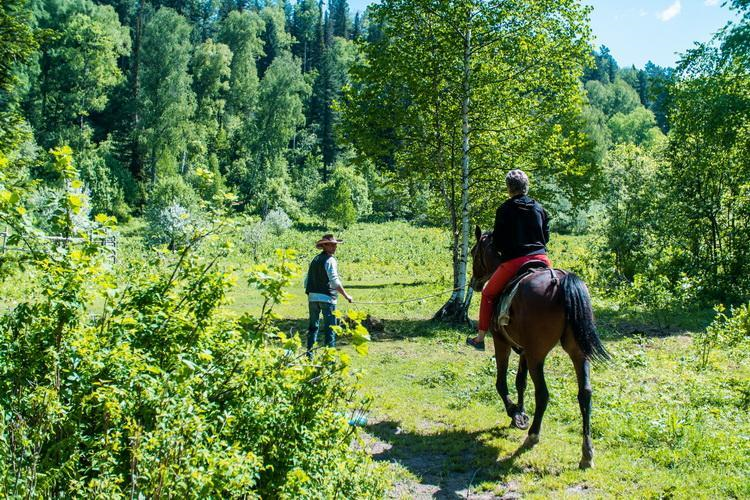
(661, 427)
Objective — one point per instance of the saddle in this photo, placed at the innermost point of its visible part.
(502, 309)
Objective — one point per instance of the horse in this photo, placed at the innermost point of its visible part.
(549, 307)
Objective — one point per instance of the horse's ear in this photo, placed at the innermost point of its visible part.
(478, 232)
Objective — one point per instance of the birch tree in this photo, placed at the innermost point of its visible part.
(456, 92)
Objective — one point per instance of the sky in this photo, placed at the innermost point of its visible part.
(637, 31)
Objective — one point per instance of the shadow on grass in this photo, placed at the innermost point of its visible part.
(390, 329)
(616, 324)
(310, 226)
(451, 462)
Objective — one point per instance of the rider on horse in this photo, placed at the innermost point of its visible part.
(521, 234)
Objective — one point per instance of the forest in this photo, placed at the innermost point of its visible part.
(166, 166)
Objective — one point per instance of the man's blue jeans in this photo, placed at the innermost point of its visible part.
(316, 308)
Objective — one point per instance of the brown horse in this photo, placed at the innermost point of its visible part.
(549, 307)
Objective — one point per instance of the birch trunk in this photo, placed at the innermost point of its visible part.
(456, 309)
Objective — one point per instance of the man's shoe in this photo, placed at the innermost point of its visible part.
(479, 346)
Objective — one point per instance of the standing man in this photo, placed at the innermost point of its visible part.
(322, 286)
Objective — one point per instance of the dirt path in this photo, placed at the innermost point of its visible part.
(441, 460)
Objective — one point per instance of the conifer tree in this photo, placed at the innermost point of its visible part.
(341, 23)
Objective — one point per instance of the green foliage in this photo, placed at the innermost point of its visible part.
(709, 167)
(17, 44)
(637, 127)
(77, 68)
(730, 332)
(350, 326)
(278, 115)
(106, 181)
(172, 212)
(240, 31)
(657, 297)
(166, 102)
(163, 391)
(632, 200)
(344, 198)
(616, 97)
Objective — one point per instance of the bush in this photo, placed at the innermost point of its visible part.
(658, 297)
(208, 182)
(277, 222)
(172, 213)
(727, 331)
(253, 235)
(163, 394)
(45, 205)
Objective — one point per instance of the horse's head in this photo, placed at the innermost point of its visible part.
(484, 259)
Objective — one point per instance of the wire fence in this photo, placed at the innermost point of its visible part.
(108, 242)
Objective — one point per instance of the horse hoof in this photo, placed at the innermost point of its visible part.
(586, 463)
(520, 421)
(531, 441)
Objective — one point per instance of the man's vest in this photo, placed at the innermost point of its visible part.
(317, 276)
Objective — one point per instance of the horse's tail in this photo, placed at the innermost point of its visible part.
(580, 317)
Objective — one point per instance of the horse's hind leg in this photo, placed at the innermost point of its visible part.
(583, 374)
(541, 398)
(520, 419)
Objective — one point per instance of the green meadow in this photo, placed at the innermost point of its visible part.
(662, 426)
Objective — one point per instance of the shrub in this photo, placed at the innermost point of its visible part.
(253, 235)
(172, 213)
(658, 296)
(45, 205)
(208, 182)
(162, 393)
(277, 222)
(334, 204)
(727, 331)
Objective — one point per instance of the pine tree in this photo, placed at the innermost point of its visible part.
(357, 28)
(339, 13)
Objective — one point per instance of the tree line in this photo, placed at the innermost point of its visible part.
(410, 110)
(152, 92)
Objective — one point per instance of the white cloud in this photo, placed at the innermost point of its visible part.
(671, 11)
(712, 3)
(643, 13)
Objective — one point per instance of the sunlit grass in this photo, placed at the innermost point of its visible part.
(661, 427)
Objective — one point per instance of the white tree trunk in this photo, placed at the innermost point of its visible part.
(456, 309)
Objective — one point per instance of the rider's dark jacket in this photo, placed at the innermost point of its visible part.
(521, 228)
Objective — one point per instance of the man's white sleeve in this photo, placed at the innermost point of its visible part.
(332, 269)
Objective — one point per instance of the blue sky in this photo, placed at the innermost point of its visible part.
(637, 31)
